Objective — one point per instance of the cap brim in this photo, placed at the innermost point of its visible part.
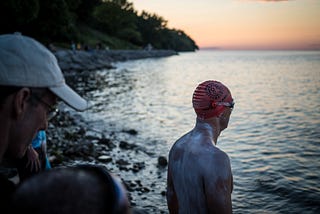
(70, 97)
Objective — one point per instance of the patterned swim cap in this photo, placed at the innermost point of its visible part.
(206, 97)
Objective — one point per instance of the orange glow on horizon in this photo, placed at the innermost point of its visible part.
(242, 24)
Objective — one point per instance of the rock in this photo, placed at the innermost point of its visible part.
(122, 162)
(126, 145)
(138, 166)
(138, 211)
(87, 61)
(105, 158)
(131, 131)
(107, 142)
(162, 161)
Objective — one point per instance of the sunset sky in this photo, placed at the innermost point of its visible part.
(242, 24)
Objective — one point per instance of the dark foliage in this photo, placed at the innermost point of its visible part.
(58, 21)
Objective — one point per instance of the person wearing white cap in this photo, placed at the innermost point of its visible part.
(31, 82)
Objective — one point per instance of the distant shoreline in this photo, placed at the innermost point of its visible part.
(77, 61)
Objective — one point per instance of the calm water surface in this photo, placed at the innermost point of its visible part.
(274, 132)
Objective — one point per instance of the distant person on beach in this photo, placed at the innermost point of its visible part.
(30, 84)
(73, 47)
(148, 47)
(79, 46)
(199, 174)
(78, 189)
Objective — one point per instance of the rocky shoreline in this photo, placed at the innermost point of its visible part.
(71, 140)
(102, 59)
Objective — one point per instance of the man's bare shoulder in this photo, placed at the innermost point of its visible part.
(216, 163)
(218, 156)
(180, 143)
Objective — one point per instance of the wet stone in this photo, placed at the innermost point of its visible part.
(131, 131)
(126, 145)
(162, 161)
(105, 158)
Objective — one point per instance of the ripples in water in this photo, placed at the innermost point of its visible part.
(273, 137)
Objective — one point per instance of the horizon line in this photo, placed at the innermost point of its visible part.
(260, 48)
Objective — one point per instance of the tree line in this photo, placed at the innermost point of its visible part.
(60, 21)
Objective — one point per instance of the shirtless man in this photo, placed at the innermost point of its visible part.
(199, 174)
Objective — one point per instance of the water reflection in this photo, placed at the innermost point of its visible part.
(273, 135)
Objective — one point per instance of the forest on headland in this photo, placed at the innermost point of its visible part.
(113, 24)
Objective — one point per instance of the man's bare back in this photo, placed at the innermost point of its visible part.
(199, 173)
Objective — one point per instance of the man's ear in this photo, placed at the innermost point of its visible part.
(223, 115)
(20, 102)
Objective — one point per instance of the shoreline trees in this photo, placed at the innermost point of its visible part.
(113, 22)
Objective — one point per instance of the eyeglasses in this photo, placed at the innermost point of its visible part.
(226, 104)
(52, 110)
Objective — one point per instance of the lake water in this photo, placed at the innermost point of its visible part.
(273, 136)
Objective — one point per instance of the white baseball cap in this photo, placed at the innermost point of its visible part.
(27, 63)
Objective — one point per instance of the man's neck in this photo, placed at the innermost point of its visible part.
(209, 127)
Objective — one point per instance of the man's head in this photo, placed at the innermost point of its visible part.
(23, 113)
(210, 99)
(24, 62)
(30, 83)
(78, 189)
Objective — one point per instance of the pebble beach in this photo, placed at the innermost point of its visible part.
(71, 140)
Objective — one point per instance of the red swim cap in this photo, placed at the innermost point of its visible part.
(207, 95)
